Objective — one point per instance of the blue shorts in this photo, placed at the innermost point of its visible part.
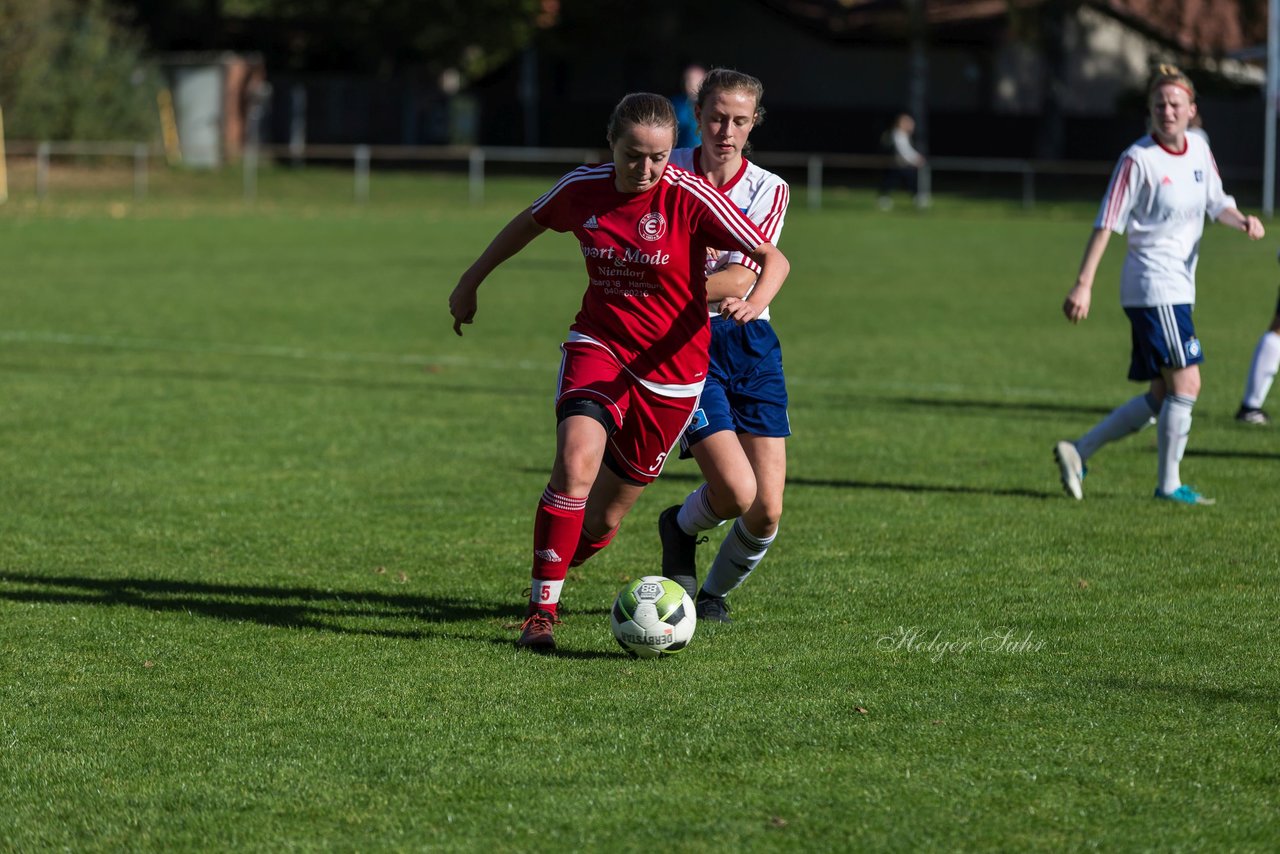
(745, 390)
(1163, 337)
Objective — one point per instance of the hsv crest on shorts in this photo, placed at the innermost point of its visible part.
(652, 226)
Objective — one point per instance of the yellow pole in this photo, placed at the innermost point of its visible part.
(4, 169)
(169, 127)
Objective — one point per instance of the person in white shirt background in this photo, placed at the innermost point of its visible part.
(907, 161)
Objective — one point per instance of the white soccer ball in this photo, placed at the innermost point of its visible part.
(653, 616)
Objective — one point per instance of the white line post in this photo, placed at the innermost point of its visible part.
(4, 165)
(42, 170)
(249, 165)
(362, 158)
(1269, 135)
(140, 155)
(475, 175)
(815, 182)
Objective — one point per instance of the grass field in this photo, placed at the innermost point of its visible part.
(267, 521)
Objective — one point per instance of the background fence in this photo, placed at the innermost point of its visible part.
(817, 170)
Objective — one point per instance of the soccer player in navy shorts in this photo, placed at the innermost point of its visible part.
(738, 433)
(1160, 191)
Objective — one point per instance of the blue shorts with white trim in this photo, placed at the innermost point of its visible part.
(1163, 337)
(745, 390)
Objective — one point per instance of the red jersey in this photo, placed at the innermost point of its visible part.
(646, 254)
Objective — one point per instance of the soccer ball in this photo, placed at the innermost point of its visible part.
(653, 616)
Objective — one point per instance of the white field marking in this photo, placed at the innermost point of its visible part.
(547, 366)
(259, 350)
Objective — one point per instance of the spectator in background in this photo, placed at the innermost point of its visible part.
(905, 172)
(687, 135)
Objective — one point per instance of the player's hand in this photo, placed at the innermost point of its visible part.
(462, 305)
(739, 311)
(1076, 306)
(1253, 228)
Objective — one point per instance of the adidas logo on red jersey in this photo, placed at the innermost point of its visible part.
(591, 222)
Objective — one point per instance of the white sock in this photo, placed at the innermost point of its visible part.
(739, 554)
(1173, 427)
(696, 515)
(1266, 361)
(1129, 417)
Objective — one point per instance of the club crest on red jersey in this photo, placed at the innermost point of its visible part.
(652, 226)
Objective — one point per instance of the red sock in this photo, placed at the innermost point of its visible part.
(589, 548)
(556, 528)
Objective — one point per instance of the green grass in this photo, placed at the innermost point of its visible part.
(267, 522)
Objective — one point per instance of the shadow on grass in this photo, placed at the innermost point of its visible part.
(889, 486)
(1233, 455)
(1197, 693)
(999, 406)
(341, 612)
(282, 607)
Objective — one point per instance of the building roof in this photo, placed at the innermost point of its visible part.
(1196, 27)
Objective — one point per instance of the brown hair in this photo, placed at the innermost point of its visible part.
(1171, 75)
(728, 80)
(641, 108)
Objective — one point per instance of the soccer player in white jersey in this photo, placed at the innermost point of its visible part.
(738, 433)
(1160, 192)
(636, 356)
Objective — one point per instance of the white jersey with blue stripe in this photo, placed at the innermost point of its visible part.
(1160, 198)
(761, 195)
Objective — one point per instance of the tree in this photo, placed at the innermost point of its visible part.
(71, 70)
(472, 36)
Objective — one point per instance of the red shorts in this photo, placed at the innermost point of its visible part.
(649, 424)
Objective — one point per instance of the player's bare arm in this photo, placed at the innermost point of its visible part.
(516, 235)
(774, 268)
(1250, 225)
(734, 280)
(1080, 297)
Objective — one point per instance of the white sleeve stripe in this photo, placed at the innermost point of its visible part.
(728, 215)
(582, 173)
(717, 201)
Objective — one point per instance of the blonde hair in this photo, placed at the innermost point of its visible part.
(1171, 75)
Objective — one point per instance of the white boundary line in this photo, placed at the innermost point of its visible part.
(255, 350)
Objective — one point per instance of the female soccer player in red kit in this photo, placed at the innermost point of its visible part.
(636, 355)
